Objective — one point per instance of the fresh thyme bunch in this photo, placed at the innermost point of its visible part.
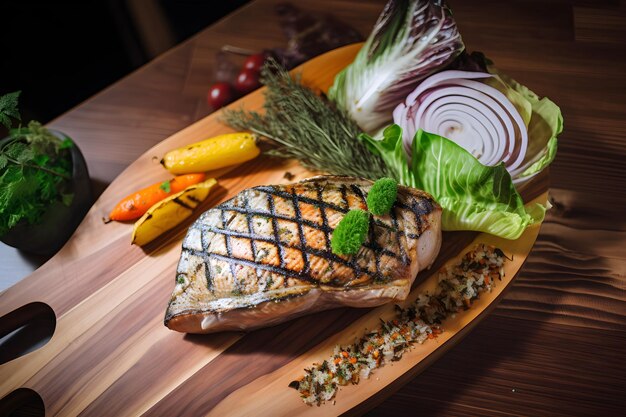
(308, 127)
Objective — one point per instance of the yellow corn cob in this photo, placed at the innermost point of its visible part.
(214, 153)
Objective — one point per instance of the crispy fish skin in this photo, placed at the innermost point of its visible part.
(264, 256)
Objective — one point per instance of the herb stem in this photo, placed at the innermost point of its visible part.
(49, 171)
(305, 126)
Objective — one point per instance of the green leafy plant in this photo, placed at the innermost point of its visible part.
(8, 108)
(35, 169)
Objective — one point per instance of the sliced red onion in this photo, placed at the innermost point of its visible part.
(478, 117)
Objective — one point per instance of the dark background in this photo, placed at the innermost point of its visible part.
(60, 53)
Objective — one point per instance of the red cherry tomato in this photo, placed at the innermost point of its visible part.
(247, 81)
(254, 62)
(220, 94)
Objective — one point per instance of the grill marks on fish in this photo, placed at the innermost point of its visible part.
(271, 243)
(294, 254)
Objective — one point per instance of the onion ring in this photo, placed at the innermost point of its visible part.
(478, 117)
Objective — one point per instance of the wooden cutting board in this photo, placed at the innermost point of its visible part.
(111, 355)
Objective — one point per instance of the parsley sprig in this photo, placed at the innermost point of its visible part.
(35, 169)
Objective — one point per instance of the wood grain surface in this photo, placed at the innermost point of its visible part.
(555, 344)
(110, 346)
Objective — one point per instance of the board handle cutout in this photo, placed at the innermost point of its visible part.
(22, 402)
(25, 330)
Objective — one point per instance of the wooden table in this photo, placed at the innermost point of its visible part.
(556, 343)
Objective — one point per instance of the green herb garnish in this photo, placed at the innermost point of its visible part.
(35, 169)
(350, 233)
(308, 127)
(166, 186)
(352, 230)
(382, 195)
(8, 108)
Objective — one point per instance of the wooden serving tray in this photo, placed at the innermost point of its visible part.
(110, 353)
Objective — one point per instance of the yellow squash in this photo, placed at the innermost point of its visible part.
(214, 153)
(170, 212)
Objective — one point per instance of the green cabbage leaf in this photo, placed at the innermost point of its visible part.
(473, 196)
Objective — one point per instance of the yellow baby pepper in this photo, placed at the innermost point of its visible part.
(214, 153)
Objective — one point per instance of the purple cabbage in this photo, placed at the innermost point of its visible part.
(411, 40)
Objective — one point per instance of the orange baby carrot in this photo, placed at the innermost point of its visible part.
(136, 204)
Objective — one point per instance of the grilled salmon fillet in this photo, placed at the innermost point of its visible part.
(264, 256)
